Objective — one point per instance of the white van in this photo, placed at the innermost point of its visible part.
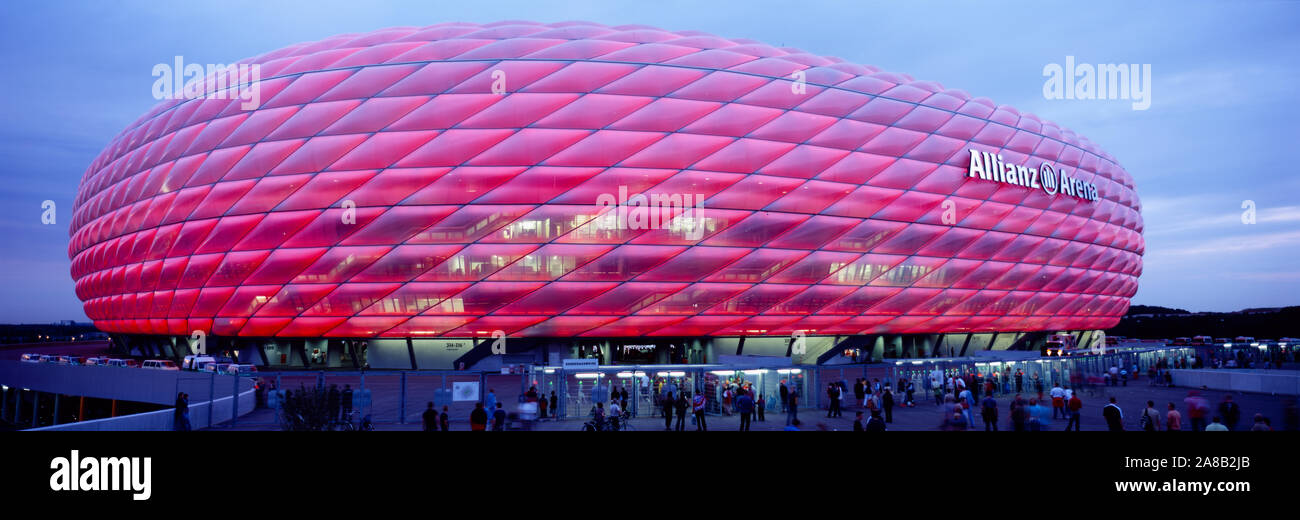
(193, 362)
(160, 364)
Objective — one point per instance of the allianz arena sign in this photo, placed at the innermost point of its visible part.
(991, 167)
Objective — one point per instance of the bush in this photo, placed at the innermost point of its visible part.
(306, 410)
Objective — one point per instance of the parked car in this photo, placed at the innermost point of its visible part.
(160, 364)
(97, 361)
(235, 369)
(48, 359)
(31, 358)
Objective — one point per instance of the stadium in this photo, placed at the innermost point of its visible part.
(415, 197)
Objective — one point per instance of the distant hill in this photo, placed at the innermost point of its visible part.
(1152, 309)
(1160, 322)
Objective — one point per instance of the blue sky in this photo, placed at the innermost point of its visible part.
(1221, 128)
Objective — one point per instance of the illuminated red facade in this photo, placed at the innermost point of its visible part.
(445, 180)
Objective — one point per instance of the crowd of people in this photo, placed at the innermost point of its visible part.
(1037, 414)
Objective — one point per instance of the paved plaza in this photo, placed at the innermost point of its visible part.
(925, 416)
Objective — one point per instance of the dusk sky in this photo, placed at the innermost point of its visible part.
(1221, 128)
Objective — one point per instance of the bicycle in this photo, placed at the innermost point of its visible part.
(363, 423)
(624, 423)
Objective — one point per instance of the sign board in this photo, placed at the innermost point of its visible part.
(580, 364)
(464, 391)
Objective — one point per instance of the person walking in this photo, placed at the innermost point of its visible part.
(833, 392)
(1150, 419)
(555, 404)
(444, 420)
(1058, 401)
(181, 421)
(697, 407)
(541, 407)
(1197, 409)
(478, 418)
(875, 424)
(430, 418)
(792, 409)
(745, 405)
(499, 419)
(1019, 415)
(491, 400)
(989, 412)
(680, 406)
(1074, 411)
(785, 397)
(615, 413)
(1173, 419)
(857, 423)
(1230, 412)
(761, 406)
(667, 404)
(1114, 416)
(887, 402)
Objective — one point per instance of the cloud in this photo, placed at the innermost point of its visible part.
(1232, 244)
(1276, 215)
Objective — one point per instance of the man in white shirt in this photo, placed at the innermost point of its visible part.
(1058, 401)
(615, 413)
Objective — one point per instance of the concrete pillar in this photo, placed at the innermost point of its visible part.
(36, 406)
(56, 408)
(81, 409)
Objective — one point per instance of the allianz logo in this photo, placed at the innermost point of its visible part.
(992, 167)
(75, 473)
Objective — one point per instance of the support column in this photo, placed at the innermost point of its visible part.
(81, 409)
(401, 403)
(36, 406)
(56, 408)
